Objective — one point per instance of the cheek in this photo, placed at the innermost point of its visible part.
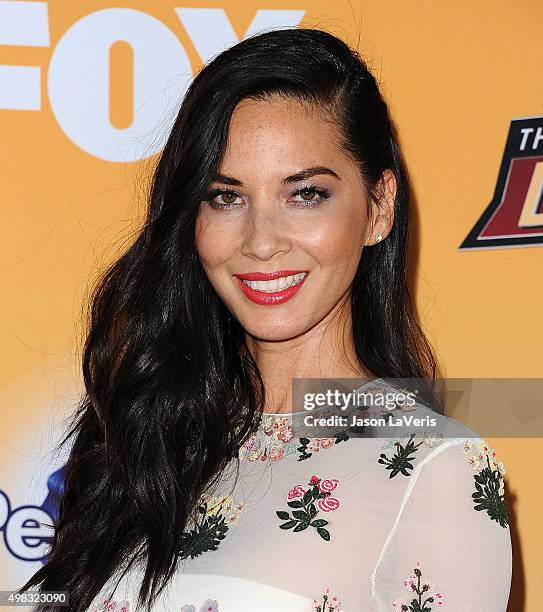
(214, 245)
(336, 241)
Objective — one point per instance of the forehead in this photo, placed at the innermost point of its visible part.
(276, 107)
(281, 136)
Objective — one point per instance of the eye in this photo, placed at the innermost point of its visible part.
(226, 198)
(221, 198)
(311, 195)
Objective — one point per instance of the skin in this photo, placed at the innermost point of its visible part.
(263, 227)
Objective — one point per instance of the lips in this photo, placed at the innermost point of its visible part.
(267, 298)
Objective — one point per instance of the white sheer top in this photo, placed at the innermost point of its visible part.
(414, 523)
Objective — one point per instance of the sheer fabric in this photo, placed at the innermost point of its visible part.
(416, 523)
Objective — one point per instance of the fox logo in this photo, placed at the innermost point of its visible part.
(514, 217)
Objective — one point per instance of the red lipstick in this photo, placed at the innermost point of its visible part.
(264, 297)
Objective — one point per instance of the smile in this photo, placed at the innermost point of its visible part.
(278, 284)
(276, 291)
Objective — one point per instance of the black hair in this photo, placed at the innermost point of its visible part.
(171, 391)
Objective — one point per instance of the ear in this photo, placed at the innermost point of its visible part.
(382, 211)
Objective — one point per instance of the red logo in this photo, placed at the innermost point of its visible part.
(514, 217)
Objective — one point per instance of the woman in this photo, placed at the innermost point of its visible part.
(275, 249)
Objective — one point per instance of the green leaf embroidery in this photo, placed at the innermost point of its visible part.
(324, 533)
(204, 537)
(210, 526)
(301, 526)
(303, 449)
(401, 461)
(295, 504)
(489, 483)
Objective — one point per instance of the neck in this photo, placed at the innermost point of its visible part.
(325, 351)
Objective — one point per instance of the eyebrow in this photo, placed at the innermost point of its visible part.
(293, 178)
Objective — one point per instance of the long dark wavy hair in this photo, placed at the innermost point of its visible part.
(171, 389)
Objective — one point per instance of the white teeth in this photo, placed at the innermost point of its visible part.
(277, 284)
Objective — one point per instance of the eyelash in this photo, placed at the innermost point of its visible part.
(323, 194)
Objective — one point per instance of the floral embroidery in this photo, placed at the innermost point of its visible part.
(306, 510)
(328, 603)
(209, 605)
(216, 516)
(426, 590)
(401, 461)
(271, 441)
(489, 483)
(110, 605)
(315, 444)
(274, 440)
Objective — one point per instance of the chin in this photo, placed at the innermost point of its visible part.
(272, 332)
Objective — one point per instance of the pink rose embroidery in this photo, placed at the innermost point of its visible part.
(327, 486)
(297, 491)
(306, 506)
(328, 504)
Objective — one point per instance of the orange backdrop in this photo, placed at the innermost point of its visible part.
(87, 91)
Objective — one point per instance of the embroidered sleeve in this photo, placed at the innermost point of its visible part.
(450, 541)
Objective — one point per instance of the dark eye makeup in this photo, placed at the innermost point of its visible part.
(322, 193)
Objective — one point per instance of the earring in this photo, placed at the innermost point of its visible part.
(378, 237)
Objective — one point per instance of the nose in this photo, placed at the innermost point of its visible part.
(265, 233)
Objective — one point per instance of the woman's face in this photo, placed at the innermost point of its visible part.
(263, 216)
